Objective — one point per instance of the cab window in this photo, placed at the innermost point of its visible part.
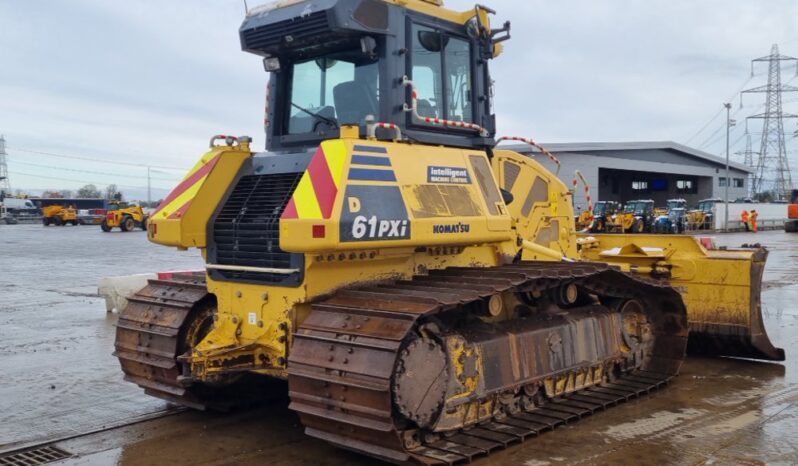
(334, 90)
(441, 72)
(458, 77)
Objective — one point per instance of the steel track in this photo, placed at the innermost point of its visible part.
(343, 358)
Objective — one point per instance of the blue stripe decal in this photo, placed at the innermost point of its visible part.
(374, 149)
(371, 160)
(366, 174)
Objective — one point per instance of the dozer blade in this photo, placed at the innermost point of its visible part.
(721, 287)
(739, 332)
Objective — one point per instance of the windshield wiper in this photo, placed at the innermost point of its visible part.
(320, 117)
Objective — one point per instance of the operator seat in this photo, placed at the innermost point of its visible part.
(353, 101)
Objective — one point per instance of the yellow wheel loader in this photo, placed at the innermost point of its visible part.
(603, 214)
(636, 217)
(59, 215)
(125, 216)
(423, 291)
(702, 217)
(584, 220)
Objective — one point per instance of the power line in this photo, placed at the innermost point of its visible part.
(712, 138)
(704, 127)
(92, 159)
(715, 136)
(740, 88)
(77, 181)
(17, 162)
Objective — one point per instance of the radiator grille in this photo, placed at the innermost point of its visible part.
(298, 29)
(246, 232)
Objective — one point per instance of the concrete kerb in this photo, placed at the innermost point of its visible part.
(116, 290)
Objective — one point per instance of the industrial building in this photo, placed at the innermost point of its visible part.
(661, 170)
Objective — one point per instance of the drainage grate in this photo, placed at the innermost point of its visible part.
(34, 457)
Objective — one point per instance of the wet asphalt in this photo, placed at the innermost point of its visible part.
(59, 382)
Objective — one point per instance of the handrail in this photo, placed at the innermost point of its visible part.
(579, 176)
(534, 144)
(413, 108)
(372, 125)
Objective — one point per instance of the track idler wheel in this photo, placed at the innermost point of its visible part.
(636, 329)
(420, 381)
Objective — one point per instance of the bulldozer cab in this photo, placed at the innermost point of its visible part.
(794, 196)
(333, 64)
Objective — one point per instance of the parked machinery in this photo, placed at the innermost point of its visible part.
(5, 217)
(702, 217)
(584, 220)
(60, 215)
(423, 292)
(603, 212)
(637, 217)
(91, 216)
(20, 207)
(671, 219)
(126, 216)
(791, 225)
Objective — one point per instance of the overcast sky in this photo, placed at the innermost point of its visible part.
(148, 81)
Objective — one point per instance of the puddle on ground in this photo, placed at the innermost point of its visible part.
(652, 424)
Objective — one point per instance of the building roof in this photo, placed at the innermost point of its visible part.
(636, 145)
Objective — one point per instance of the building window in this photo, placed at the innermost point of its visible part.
(639, 185)
(686, 186)
(736, 182)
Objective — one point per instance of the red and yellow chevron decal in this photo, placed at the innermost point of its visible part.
(314, 197)
(179, 200)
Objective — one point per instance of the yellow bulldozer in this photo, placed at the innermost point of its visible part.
(125, 216)
(60, 215)
(423, 291)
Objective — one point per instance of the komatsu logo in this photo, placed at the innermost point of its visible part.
(451, 228)
(450, 175)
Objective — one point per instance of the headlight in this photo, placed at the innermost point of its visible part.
(271, 64)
